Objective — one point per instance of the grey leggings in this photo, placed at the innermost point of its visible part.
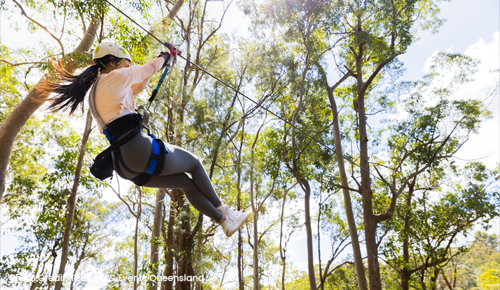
(198, 189)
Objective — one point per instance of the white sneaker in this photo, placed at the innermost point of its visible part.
(224, 209)
(234, 220)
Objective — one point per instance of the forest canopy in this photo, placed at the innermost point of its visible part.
(314, 132)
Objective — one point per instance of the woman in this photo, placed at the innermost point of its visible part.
(143, 160)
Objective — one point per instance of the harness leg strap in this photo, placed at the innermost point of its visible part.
(155, 164)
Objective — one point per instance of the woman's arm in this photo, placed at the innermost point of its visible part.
(137, 88)
(147, 71)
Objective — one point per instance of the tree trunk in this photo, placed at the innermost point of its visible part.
(54, 255)
(155, 235)
(358, 261)
(79, 261)
(369, 218)
(310, 257)
(169, 253)
(282, 249)
(136, 237)
(366, 191)
(283, 272)
(372, 250)
(433, 278)
(185, 244)
(72, 200)
(405, 273)
(255, 227)
(13, 124)
(199, 244)
(255, 251)
(241, 281)
(405, 270)
(321, 281)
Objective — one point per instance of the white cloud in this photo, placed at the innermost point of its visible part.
(485, 145)
(487, 142)
(428, 62)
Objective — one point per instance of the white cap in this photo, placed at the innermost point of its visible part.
(105, 48)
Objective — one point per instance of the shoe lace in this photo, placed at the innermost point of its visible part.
(231, 214)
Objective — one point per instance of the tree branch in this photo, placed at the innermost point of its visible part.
(22, 63)
(40, 25)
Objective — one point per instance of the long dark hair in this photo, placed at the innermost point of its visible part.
(71, 89)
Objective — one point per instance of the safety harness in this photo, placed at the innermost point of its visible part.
(119, 132)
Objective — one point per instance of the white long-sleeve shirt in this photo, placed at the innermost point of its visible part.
(116, 90)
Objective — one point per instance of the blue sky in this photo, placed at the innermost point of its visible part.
(467, 22)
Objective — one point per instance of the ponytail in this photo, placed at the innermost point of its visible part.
(72, 90)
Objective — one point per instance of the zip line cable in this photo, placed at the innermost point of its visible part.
(253, 101)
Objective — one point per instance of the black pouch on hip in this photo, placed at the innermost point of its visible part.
(103, 166)
(103, 163)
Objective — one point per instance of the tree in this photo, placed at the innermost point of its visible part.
(435, 227)
(421, 147)
(256, 167)
(72, 199)
(490, 276)
(305, 28)
(379, 32)
(36, 97)
(36, 208)
(155, 235)
(464, 270)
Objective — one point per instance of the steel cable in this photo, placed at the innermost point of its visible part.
(253, 101)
